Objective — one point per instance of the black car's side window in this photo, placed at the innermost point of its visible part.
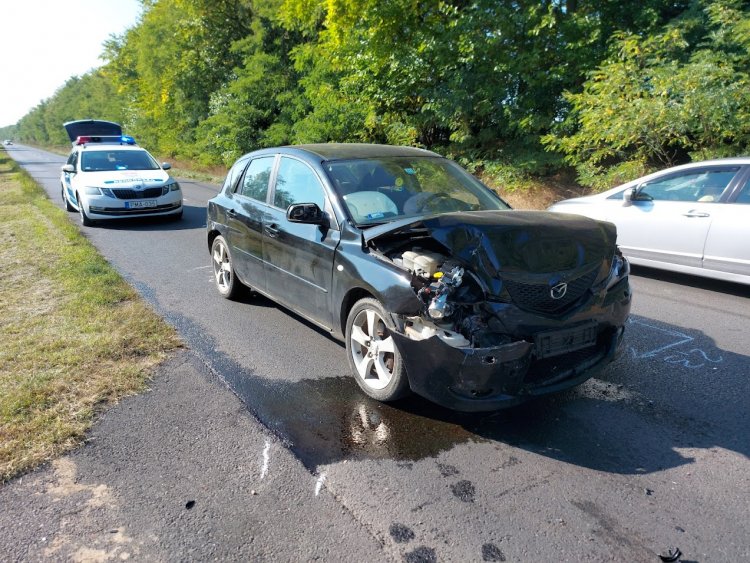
(255, 182)
(230, 182)
(297, 183)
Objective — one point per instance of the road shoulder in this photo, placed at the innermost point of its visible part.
(180, 472)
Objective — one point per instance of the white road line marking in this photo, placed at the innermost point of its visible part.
(264, 469)
(203, 267)
(319, 483)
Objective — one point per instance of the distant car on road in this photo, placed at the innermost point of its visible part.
(7, 142)
(107, 176)
(693, 219)
(433, 282)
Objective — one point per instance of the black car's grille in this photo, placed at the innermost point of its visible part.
(124, 193)
(538, 297)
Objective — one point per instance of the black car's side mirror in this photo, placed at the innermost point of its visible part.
(308, 213)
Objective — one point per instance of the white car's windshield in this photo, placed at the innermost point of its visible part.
(376, 190)
(100, 161)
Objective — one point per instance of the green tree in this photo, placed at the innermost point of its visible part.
(170, 64)
(475, 77)
(664, 99)
(260, 104)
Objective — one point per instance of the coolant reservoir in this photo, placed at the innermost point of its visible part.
(408, 258)
(427, 263)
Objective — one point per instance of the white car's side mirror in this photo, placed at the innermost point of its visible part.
(69, 168)
(627, 196)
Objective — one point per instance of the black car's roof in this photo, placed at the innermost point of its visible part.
(347, 151)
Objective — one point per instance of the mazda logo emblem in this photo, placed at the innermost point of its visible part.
(559, 291)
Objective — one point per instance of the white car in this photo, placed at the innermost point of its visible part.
(693, 219)
(108, 176)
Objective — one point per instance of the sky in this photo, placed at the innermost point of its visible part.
(45, 42)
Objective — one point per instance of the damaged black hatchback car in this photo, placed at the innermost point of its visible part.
(433, 282)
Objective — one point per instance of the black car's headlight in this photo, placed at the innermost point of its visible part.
(620, 268)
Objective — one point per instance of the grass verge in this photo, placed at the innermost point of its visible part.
(74, 335)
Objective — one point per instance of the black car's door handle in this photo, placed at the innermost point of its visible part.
(692, 213)
(272, 230)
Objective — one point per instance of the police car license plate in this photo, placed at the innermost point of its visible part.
(140, 204)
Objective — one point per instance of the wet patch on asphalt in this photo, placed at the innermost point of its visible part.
(463, 491)
(421, 555)
(328, 419)
(401, 533)
(490, 552)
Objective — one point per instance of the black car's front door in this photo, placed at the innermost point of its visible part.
(299, 257)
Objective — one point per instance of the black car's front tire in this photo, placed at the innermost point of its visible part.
(373, 356)
(226, 281)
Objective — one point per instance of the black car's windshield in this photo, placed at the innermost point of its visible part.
(376, 190)
(100, 161)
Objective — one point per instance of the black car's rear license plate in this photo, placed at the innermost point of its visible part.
(556, 342)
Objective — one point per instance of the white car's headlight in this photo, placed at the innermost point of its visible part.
(170, 187)
(91, 190)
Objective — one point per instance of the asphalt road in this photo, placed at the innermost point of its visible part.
(652, 454)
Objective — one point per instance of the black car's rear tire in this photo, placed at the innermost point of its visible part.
(226, 281)
(373, 355)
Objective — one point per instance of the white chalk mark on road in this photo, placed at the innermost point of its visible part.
(264, 469)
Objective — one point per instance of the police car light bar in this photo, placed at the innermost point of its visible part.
(120, 139)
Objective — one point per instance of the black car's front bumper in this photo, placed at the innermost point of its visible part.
(485, 379)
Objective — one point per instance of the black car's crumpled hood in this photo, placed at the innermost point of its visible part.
(92, 127)
(525, 246)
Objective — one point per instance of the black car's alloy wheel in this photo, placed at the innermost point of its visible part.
(226, 282)
(373, 356)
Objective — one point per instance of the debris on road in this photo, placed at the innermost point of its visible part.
(671, 555)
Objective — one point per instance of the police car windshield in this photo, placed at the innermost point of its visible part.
(103, 161)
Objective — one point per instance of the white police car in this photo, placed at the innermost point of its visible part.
(107, 176)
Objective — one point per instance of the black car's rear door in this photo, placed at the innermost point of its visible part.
(299, 257)
(245, 221)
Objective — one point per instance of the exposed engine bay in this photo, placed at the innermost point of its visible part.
(465, 273)
(451, 298)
